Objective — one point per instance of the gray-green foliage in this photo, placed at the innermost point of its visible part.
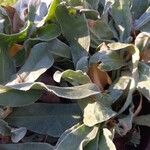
(106, 42)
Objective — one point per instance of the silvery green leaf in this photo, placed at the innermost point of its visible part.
(134, 69)
(17, 134)
(7, 66)
(124, 124)
(143, 120)
(144, 83)
(76, 137)
(142, 41)
(95, 112)
(100, 32)
(37, 63)
(27, 146)
(122, 17)
(78, 38)
(117, 89)
(145, 18)
(138, 7)
(5, 129)
(82, 64)
(73, 77)
(49, 119)
(110, 60)
(16, 98)
(105, 142)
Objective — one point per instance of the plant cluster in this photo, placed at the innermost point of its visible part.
(73, 73)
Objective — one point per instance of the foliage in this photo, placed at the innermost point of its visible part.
(96, 59)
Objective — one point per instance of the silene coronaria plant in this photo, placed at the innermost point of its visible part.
(74, 74)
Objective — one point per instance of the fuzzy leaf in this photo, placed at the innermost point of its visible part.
(143, 120)
(27, 146)
(96, 112)
(78, 38)
(144, 83)
(76, 92)
(52, 119)
(100, 32)
(123, 19)
(77, 136)
(37, 63)
(16, 98)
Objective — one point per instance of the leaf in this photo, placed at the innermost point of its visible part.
(98, 76)
(7, 67)
(122, 17)
(106, 142)
(144, 83)
(96, 111)
(143, 120)
(135, 74)
(38, 9)
(142, 42)
(16, 98)
(124, 124)
(138, 7)
(77, 136)
(18, 134)
(27, 146)
(5, 130)
(93, 4)
(73, 77)
(76, 92)
(37, 63)
(82, 64)
(47, 33)
(145, 18)
(78, 38)
(117, 89)
(49, 119)
(100, 32)
(102, 141)
(110, 60)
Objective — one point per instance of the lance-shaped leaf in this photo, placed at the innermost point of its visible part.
(100, 32)
(117, 89)
(16, 98)
(144, 83)
(73, 77)
(5, 129)
(74, 28)
(105, 142)
(97, 111)
(138, 7)
(7, 67)
(123, 19)
(110, 60)
(76, 137)
(143, 120)
(102, 141)
(134, 69)
(15, 134)
(76, 92)
(145, 18)
(47, 33)
(50, 119)
(27, 146)
(37, 63)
